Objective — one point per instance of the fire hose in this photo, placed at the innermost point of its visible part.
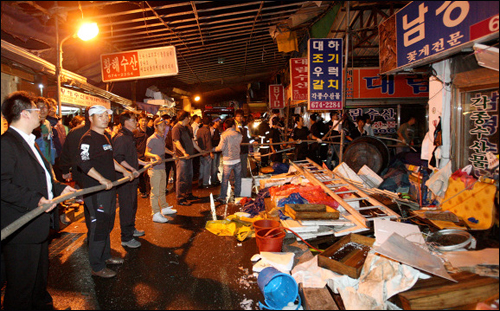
(21, 221)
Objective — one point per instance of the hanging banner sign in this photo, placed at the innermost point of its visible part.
(298, 78)
(364, 83)
(426, 31)
(325, 74)
(483, 132)
(139, 64)
(276, 96)
(72, 97)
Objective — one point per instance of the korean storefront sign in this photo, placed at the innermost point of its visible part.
(483, 131)
(383, 119)
(276, 96)
(363, 83)
(139, 64)
(426, 31)
(298, 78)
(72, 97)
(325, 74)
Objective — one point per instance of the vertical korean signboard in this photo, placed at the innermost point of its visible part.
(325, 74)
(298, 78)
(483, 132)
(276, 96)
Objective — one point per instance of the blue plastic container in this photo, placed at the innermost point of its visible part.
(278, 288)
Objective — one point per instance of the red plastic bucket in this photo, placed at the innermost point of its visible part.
(265, 224)
(270, 239)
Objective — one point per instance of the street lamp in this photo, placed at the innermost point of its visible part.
(86, 32)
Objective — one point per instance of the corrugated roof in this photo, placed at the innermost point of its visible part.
(218, 43)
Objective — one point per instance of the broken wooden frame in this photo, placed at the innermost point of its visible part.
(329, 181)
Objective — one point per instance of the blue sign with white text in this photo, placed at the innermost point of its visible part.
(428, 28)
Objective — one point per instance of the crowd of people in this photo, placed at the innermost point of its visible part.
(97, 153)
(40, 156)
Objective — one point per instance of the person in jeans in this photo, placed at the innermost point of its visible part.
(184, 146)
(205, 143)
(243, 129)
(215, 133)
(169, 144)
(155, 150)
(230, 146)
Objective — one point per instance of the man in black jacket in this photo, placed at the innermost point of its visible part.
(27, 183)
(125, 153)
(141, 135)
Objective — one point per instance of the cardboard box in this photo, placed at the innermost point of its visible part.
(347, 256)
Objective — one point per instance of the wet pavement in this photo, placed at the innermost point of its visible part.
(180, 265)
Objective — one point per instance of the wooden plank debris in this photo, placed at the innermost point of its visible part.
(438, 293)
(317, 298)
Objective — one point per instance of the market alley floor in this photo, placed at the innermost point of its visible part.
(180, 265)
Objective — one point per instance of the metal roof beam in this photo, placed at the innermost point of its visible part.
(264, 23)
(195, 38)
(197, 21)
(251, 34)
(141, 20)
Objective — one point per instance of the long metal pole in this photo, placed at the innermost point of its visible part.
(58, 66)
(21, 221)
(345, 81)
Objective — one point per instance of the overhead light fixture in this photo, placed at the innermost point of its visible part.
(197, 98)
(88, 31)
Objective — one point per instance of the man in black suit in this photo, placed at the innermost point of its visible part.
(27, 183)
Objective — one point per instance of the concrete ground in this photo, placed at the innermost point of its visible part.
(180, 265)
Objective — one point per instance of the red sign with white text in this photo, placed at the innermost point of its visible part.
(298, 78)
(139, 64)
(276, 96)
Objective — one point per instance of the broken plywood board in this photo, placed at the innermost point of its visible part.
(438, 293)
(317, 298)
(310, 211)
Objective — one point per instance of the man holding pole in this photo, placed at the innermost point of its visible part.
(97, 162)
(155, 150)
(126, 154)
(184, 145)
(27, 184)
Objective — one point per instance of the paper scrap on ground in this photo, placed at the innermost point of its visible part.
(311, 275)
(381, 278)
(398, 248)
(384, 228)
(282, 261)
(488, 256)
